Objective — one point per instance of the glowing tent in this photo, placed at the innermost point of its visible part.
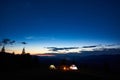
(52, 67)
(73, 67)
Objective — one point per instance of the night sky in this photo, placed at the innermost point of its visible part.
(59, 23)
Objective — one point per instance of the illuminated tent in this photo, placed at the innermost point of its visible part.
(73, 67)
(52, 67)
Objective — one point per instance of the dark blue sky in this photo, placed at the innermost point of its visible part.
(60, 23)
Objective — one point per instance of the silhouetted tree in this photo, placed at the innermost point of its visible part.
(5, 42)
(3, 49)
(23, 51)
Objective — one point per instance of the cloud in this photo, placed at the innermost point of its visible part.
(104, 51)
(64, 48)
(111, 45)
(29, 37)
(23, 43)
(94, 46)
(7, 41)
(12, 42)
(99, 47)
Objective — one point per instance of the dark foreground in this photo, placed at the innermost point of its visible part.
(27, 67)
(42, 74)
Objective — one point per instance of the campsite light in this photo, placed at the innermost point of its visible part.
(52, 67)
(64, 68)
(73, 67)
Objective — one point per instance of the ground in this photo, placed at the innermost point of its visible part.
(39, 74)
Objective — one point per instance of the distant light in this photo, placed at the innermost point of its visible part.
(52, 67)
(73, 67)
(65, 68)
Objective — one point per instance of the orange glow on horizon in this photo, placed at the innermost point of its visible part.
(45, 54)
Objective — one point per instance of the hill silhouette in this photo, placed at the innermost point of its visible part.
(29, 67)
